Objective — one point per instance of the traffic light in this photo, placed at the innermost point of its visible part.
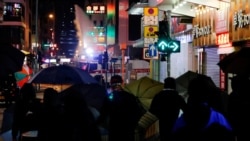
(163, 37)
(165, 44)
(162, 44)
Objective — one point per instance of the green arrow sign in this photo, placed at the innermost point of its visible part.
(168, 46)
(163, 45)
(174, 46)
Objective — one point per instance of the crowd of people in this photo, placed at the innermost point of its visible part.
(204, 116)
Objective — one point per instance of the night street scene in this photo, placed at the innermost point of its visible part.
(124, 70)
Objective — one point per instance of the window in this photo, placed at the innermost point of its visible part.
(13, 12)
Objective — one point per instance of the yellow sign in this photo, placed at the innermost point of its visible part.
(150, 11)
(149, 31)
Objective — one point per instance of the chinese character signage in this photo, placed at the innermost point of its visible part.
(222, 18)
(150, 25)
(203, 27)
(240, 20)
(96, 9)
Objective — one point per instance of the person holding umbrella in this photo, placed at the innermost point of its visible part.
(166, 106)
(200, 121)
(122, 112)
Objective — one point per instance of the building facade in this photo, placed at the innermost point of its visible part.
(16, 23)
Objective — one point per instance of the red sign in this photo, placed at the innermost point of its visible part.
(222, 39)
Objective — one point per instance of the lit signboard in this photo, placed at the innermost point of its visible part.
(150, 25)
(96, 9)
(96, 35)
(223, 39)
(149, 31)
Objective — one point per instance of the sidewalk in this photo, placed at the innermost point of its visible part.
(1, 117)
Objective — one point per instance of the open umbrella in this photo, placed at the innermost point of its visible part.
(144, 89)
(184, 79)
(62, 74)
(237, 62)
(23, 76)
(93, 94)
(11, 59)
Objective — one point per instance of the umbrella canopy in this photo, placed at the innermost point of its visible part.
(184, 79)
(93, 94)
(23, 76)
(144, 89)
(62, 74)
(11, 59)
(237, 62)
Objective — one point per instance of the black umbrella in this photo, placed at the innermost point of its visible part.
(237, 62)
(62, 74)
(184, 79)
(93, 94)
(11, 59)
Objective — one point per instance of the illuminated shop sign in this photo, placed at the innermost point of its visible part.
(223, 39)
(96, 35)
(240, 19)
(201, 31)
(96, 9)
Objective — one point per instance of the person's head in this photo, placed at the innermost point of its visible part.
(50, 96)
(199, 89)
(198, 105)
(237, 82)
(99, 79)
(169, 83)
(116, 81)
(28, 92)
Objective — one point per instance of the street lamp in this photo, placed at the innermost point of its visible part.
(51, 26)
(51, 16)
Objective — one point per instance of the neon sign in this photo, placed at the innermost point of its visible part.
(96, 9)
(223, 39)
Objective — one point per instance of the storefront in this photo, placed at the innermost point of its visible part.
(204, 40)
(222, 40)
(239, 25)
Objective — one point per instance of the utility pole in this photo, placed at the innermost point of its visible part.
(169, 34)
(36, 38)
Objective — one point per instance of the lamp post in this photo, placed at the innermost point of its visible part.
(51, 26)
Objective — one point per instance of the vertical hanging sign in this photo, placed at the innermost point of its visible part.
(150, 25)
(111, 23)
